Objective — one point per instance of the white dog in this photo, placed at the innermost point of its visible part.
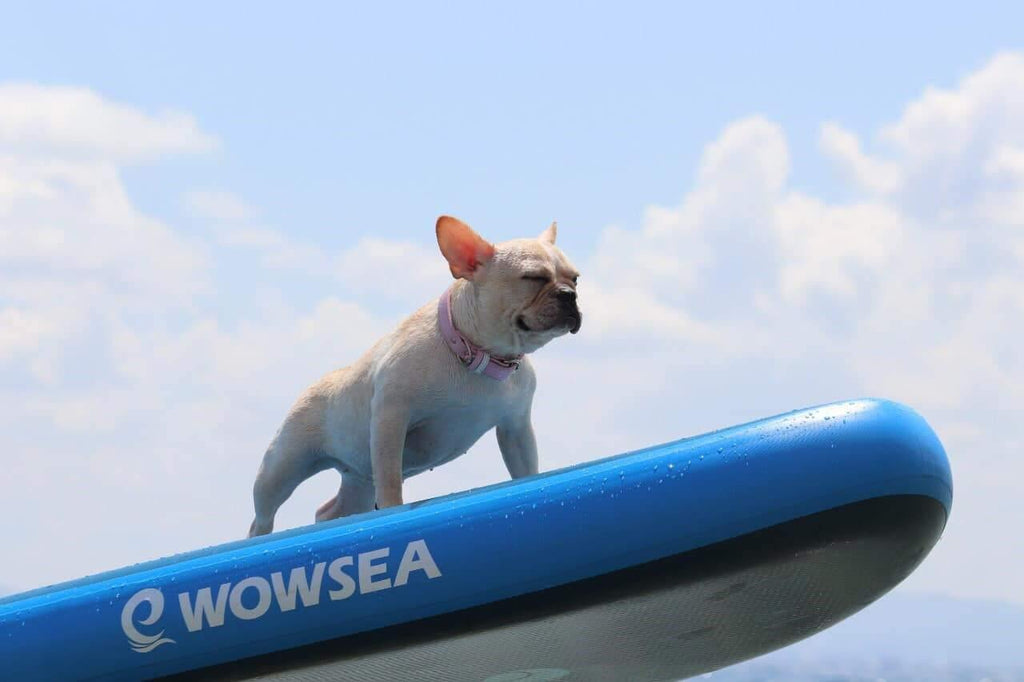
(423, 394)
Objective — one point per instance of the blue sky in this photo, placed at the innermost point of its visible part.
(203, 210)
(330, 113)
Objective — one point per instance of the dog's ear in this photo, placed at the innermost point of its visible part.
(549, 234)
(463, 248)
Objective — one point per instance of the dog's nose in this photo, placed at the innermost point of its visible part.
(566, 295)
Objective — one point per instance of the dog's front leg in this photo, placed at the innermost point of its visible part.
(518, 446)
(388, 425)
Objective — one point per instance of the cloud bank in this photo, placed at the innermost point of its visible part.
(133, 395)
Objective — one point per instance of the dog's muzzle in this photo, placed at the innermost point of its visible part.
(575, 321)
(566, 297)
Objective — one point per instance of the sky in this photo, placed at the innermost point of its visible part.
(203, 209)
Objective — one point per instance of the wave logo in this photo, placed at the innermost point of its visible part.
(139, 642)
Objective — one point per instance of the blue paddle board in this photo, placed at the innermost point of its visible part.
(658, 564)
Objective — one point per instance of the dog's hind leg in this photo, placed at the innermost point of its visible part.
(289, 461)
(355, 495)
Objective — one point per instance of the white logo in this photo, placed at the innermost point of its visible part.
(301, 587)
(139, 642)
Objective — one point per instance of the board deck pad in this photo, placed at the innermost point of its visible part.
(659, 564)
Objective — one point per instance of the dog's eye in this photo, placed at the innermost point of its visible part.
(575, 279)
(537, 278)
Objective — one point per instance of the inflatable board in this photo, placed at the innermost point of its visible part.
(658, 564)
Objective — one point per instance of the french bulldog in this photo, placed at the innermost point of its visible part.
(426, 392)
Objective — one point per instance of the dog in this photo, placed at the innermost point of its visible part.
(427, 391)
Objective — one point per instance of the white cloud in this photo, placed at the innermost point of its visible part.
(126, 379)
(75, 218)
(78, 261)
(71, 122)
(618, 313)
(955, 155)
(828, 248)
(746, 298)
(308, 342)
(75, 253)
(372, 268)
(218, 205)
(719, 239)
(20, 331)
(275, 250)
(912, 291)
(384, 268)
(749, 160)
(844, 147)
(984, 112)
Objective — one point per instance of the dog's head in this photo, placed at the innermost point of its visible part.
(525, 289)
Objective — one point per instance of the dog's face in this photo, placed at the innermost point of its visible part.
(525, 288)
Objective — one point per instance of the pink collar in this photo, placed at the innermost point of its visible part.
(477, 360)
